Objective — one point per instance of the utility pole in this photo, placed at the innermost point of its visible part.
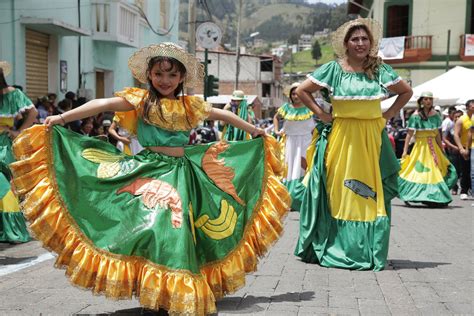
(447, 51)
(192, 33)
(237, 55)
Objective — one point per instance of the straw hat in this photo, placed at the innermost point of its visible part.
(138, 62)
(426, 94)
(238, 95)
(5, 67)
(337, 37)
(293, 86)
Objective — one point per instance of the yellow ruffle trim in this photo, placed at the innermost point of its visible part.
(182, 114)
(117, 276)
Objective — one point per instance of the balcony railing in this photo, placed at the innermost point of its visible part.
(115, 22)
(417, 48)
(462, 49)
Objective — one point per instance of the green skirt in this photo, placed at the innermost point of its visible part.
(178, 233)
(337, 243)
(12, 222)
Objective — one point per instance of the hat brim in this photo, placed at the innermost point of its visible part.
(337, 37)
(5, 67)
(138, 62)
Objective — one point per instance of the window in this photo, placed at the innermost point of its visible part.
(397, 20)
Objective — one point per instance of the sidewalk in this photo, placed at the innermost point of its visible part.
(429, 273)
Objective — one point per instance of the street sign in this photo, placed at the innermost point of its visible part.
(208, 35)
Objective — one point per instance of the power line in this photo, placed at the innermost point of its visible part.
(143, 15)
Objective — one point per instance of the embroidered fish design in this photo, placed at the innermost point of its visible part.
(419, 167)
(360, 188)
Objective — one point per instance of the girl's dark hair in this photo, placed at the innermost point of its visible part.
(371, 63)
(154, 96)
(3, 85)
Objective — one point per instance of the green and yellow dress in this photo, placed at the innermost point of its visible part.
(345, 214)
(12, 221)
(232, 133)
(177, 232)
(297, 128)
(426, 175)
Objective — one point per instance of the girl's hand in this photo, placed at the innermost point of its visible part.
(325, 117)
(54, 120)
(257, 132)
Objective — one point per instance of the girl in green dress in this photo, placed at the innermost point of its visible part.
(178, 226)
(426, 175)
(345, 214)
(13, 103)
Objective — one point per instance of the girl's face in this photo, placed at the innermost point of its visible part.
(165, 78)
(427, 102)
(358, 44)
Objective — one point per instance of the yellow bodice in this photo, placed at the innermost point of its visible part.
(359, 109)
(6, 121)
(426, 133)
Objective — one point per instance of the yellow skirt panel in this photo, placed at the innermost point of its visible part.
(354, 180)
(9, 203)
(421, 166)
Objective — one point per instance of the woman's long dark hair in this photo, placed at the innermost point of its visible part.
(3, 85)
(421, 111)
(291, 98)
(154, 95)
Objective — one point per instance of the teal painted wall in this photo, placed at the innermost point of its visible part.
(95, 55)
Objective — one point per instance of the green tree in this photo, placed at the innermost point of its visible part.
(316, 51)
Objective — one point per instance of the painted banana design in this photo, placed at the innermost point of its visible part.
(220, 227)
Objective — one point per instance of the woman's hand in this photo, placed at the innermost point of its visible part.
(257, 132)
(54, 120)
(13, 134)
(325, 117)
(125, 140)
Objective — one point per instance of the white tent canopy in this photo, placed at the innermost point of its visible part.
(454, 87)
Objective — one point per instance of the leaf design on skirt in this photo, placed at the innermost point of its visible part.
(156, 192)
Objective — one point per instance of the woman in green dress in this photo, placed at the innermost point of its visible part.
(345, 214)
(13, 103)
(426, 175)
(178, 226)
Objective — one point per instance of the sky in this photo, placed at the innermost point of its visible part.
(327, 1)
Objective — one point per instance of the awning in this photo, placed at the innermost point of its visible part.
(53, 26)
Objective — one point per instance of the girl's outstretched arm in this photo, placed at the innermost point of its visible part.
(91, 108)
(232, 119)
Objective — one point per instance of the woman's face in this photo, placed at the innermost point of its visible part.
(358, 44)
(294, 97)
(427, 102)
(165, 78)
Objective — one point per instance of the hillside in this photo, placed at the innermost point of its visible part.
(275, 20)
(303, 62)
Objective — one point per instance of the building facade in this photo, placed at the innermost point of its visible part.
(435, 32)
(80, 45)
(260, 75)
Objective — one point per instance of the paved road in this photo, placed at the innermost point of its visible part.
(430, 272)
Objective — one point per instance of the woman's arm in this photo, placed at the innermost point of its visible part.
(91, 108)
(113, 132)
(404, 92)
(304, 92)
(30, 118)
(438, 141)
(410, 133)
(232, 119)
(276, 128)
